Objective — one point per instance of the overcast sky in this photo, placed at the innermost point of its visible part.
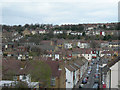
(58, 11)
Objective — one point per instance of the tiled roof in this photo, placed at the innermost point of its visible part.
(114, 61)
(106, 68)
(76, 64)
(69, 68)
(12, 65)
(54, 65)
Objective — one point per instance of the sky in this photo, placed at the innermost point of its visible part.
(15, 12)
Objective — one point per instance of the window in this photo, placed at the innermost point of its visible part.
(24, 77)
(66, 80)
(53, 82)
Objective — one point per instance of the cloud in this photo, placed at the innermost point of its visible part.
(64, 11)
(59, 0)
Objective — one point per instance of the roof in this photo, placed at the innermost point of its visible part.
(69, 67)
(54, 65)
(76, 64)
(106, 68)
(6, 82)
(47, 47)
(43, 42)
(114, 61)
(107, 52)
(10, 65)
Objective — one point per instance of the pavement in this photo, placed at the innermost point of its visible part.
(80, 82)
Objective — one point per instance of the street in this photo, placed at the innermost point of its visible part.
(91, 80)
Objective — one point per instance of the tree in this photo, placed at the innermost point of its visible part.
(41, 72)
(83, 34)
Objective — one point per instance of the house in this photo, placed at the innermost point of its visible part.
(17, 74)
(87, 32)
(114, 44)
(68, 45)
(110, 32)
(17, 37)
(26, 32)
(69, 55)
(8, 46)
(104, 44)
(56, 73)
(110, 77)
(57, 32)
(68, 32)
(75, 33)
(20, 72)
(42, 31)
(70, 76)
(102, 33)
(33, 32)
(87, 53)
(14, 33)
(60, 43)
(21, 49)
(108, 53)
(57, 55)
(74, 71)
(90, 28)
(83, 44)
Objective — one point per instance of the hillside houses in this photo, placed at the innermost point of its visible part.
(43, 31)
(57, 32)
(60, 49)
(59, 56)
(26, 32)
(83, 44)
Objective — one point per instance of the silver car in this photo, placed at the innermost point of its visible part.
(95, 85)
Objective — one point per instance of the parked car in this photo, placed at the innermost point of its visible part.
(95, 85)
(87, 75)
(84, 81)
(91, 64)
(81, 85)
(97, 70)
(89, 69)
(88, 72)
(96, 75)
(96, 80)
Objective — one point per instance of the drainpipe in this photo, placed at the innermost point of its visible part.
(110, 79)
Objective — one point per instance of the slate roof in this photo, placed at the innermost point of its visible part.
(54, 65)
(19, 67)
(106, 68)
(69, 67)
(76, 64)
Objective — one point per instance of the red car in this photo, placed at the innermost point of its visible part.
(96, 76)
